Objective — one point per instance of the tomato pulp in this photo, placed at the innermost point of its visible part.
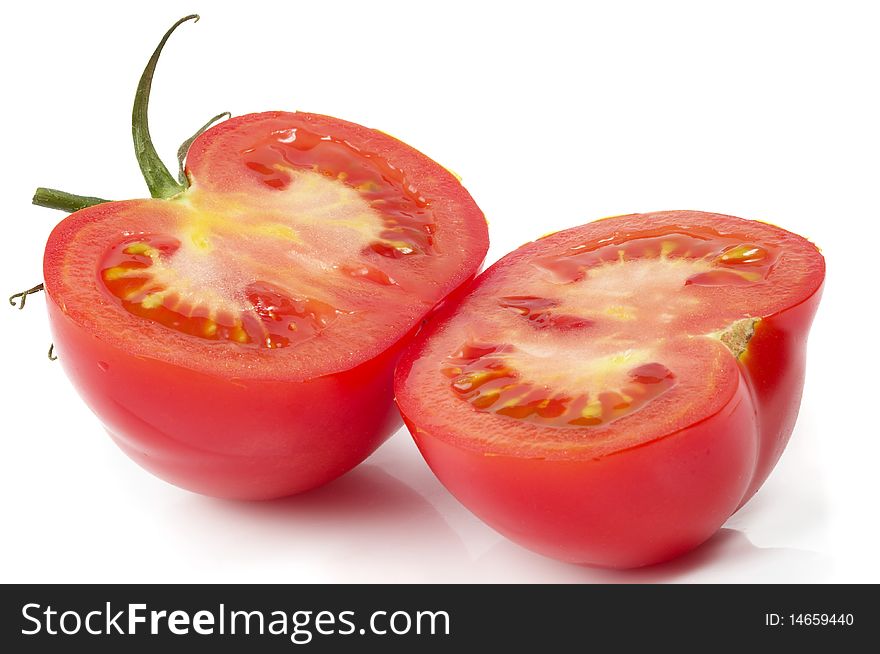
(612, 393)
(238, 339)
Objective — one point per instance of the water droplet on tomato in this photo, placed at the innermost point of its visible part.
(744, 253)
(650, 373)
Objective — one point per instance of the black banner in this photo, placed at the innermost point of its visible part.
(281, 618)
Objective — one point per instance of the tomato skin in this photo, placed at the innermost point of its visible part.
(639, 506)
(230, 438)
(774, 365)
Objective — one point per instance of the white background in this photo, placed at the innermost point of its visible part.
(554, 114)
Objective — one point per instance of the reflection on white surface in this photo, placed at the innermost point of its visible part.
(389, 520)
(371, 526)
(366, 526)
(727, 557)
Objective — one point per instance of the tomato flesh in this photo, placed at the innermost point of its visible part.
(408, 221)
(234, 271)
(140, 275)
(490, 380)
(304, 251)
(601, 340)
(601, 330)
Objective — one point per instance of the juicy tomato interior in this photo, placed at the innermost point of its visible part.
(607, 338)
(296, 230)
(236, 274)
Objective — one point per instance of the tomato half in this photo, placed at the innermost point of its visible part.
(610, 394)
(238, 339)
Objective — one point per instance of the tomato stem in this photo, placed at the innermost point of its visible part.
(22, 297)
(55, 199)
(51, 354)
(160, 182)
(184, 147)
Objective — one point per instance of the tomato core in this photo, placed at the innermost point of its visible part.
(230, 270)
(408, 221)
(588, 341)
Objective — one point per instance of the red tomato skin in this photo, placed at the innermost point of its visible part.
(636, 507)
(230, 438)
(774, 365)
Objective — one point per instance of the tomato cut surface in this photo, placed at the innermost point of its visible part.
(606, 336)
(305, 245)
(643, 357)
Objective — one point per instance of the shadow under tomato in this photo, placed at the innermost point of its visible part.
(366, 526)
(728, 557)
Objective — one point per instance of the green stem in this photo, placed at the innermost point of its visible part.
(54, 199)
(184, 147)
(160, 182)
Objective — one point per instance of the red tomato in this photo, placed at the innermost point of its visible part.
(238, 339)
(612, 393)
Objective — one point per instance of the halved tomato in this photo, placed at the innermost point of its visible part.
(238, 339)
(610, 394)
